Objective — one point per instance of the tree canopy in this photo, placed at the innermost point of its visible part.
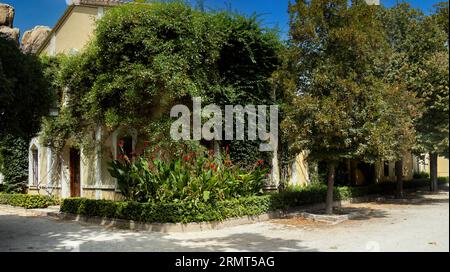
(419, 64)
(25, 97)
(24, 93)
(342, 105)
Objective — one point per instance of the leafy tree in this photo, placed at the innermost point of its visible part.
(24, 99)
(419, 64)
(341, 106)
(24, 93)
(441, 15)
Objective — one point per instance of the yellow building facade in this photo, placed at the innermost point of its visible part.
(74, 172)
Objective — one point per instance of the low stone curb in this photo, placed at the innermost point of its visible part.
(168, 227)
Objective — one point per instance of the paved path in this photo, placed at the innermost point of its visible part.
(418, 226)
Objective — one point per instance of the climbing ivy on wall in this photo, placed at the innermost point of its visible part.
(15, 169)
(146, 58)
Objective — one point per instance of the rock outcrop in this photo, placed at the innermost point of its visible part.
(6, 15)
(6, 23)
(10, 33)
(33, 39)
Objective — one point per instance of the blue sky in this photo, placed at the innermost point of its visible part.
(273, 13)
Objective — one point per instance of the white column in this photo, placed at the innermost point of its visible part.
(275, 168)
(49, 167)
(100, 12)
(65, 173)
(53, 46)
(98, 162)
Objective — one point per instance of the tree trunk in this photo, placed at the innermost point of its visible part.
(399, 174)
(433, 171)
(331, 174)
(353, 176)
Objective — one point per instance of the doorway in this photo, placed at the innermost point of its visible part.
(75, 184)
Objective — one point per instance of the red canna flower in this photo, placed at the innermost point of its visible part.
(146, 143)
(186, 158)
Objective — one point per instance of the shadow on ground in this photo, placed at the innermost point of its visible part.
(43, 234)
(417, 198)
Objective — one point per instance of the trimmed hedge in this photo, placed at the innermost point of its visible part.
(27, 201)
(168, 212)
(421, 175)
(181, 212)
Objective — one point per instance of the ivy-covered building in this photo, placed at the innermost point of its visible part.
(75, 170)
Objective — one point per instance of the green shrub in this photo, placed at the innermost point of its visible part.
(443, 180)
(421, 175)
(27, 201)
(168, 212)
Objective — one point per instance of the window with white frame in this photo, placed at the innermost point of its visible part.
(35, 166)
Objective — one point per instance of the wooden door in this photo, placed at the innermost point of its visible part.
(75, 184)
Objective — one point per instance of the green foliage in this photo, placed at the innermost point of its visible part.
(27, 201)
(24, 93)
(14, 152)
(168, 212)
(443, 180)
(25, 97)
(182, 212)
(421, 175)
(146, 58)
(195, 177)
(441, 15)
(419, 65)
(340, 105)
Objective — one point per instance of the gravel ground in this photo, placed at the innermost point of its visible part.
(419, 225)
